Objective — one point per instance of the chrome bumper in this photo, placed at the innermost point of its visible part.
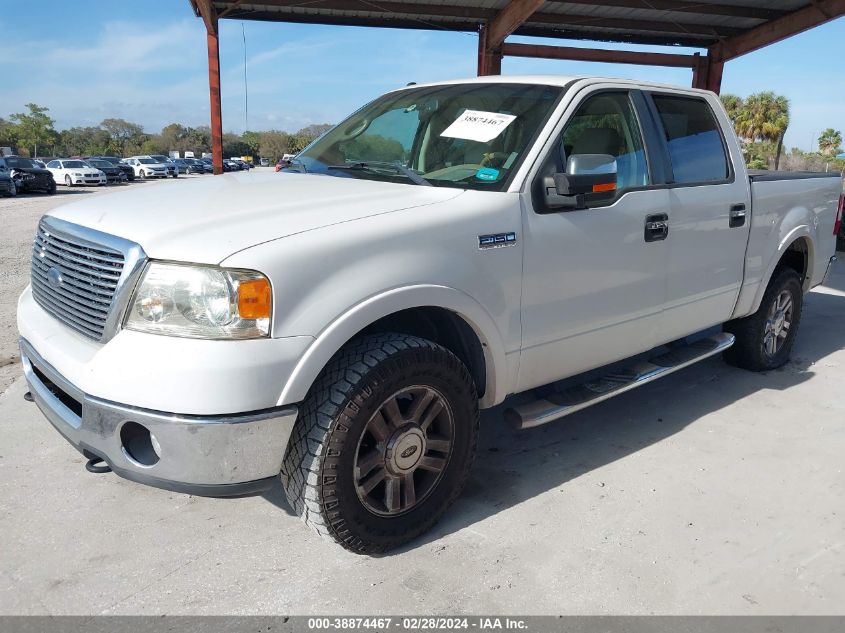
(206, 455)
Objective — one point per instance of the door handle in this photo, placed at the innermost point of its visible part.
(656, 227)
(737, 216)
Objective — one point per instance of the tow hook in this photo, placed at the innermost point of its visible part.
(92, 466)
(28, 397)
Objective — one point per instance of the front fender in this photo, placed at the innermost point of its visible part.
(348, 324)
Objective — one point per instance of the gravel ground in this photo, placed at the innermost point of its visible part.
(712, 491)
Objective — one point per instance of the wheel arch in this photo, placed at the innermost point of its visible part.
(448, 316)
(797, 251)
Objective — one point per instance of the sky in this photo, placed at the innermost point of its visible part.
(147, 62)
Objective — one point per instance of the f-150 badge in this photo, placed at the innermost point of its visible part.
(497, 240)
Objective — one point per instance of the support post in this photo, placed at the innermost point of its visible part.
(489, 60)
(206, 10)
(214, 94)
(707, 73)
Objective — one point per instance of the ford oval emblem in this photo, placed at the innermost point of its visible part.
(54, 277)
(408, 452)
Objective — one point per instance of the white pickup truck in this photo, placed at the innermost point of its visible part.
(341, 323)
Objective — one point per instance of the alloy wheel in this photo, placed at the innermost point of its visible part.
(403, 450)
(778, 322)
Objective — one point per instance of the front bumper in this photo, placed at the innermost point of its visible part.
(215, 455)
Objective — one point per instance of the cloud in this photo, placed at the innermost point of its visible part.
(126, 48)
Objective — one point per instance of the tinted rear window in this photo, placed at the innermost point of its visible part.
(695, 140)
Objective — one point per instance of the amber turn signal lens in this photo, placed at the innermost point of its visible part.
(608, 186)
(255, 299)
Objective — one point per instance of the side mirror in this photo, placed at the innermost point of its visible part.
(585, 174)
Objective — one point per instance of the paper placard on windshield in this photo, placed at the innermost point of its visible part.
(476, 125)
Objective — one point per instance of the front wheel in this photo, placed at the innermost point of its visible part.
(764, 340)
(68, 181)
(384, 442)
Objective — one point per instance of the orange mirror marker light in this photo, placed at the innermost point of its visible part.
(255, 299)
(610, 186)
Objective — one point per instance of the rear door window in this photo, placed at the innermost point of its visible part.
(694, 139)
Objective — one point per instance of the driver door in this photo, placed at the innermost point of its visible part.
(594, 279)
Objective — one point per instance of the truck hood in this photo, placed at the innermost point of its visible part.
(207, 219)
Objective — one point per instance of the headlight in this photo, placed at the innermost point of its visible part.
(77, 174)
(201, 302)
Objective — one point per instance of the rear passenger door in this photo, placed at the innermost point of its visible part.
(709, 214)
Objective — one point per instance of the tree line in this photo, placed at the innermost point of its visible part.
(33, 134)
(761, 121)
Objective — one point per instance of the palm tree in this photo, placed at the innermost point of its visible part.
(830, 142)
(733, 106)
(764, 116)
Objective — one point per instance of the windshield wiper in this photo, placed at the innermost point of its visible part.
(413, 176)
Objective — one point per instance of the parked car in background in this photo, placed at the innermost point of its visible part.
(243, 164)
(230, 165)
(39, 163)
(72, 172)
(197, 166)
(172, 169)
(264, 162)
(118, 162)
(146, 167)
(113, 173)
(27, 176)
(181, 165)
(7, 185)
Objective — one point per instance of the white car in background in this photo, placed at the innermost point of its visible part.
(72, 172)
(146, 167)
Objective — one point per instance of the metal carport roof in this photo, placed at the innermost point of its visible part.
(725, 29)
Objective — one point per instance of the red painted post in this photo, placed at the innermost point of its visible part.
(714, 77)
(707, 73)
(214, 94)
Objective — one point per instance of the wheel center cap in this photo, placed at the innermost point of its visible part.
(405, 449)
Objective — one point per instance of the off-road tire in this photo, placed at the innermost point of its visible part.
(318, 470)
(747, 352)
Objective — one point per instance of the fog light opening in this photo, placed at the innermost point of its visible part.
(139, 445)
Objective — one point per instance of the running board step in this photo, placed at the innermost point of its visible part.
(558, 405)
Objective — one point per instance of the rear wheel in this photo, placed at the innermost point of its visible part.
(384, 442)
(764, 340)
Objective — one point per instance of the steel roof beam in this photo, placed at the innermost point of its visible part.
(599, 55)
(819, 12)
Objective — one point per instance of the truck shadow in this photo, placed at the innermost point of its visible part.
(514, 466)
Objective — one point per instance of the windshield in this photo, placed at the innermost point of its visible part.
(16, 162)
(74, 163)
(465, 136)
(100, 163)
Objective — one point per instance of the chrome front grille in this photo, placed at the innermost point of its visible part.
(76, 279)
